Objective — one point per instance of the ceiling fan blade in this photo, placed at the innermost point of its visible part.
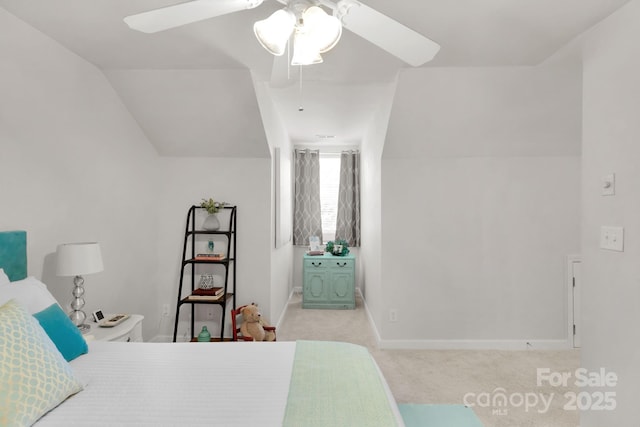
(386, 33)
(186, 13)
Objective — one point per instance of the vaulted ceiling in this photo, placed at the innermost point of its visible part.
(191, 88)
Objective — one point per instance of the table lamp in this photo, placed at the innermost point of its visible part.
(77, 259)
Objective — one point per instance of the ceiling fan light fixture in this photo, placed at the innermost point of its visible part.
(274, 32)
(324, 30)
(305, 51)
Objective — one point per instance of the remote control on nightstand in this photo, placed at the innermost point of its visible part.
(114, 320)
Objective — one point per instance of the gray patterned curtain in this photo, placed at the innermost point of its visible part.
(307, 219)
(348, 220)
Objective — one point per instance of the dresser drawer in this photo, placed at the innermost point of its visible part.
(128, 331)
(135, 335)
(313, 264)
(338, 264)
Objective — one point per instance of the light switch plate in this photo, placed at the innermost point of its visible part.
(612, 238)
(609, 185)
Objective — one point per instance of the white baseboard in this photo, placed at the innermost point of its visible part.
(286, 305)
(162, 338)
(376, 334)
(474, 344)
(462, 344)
(451, 344)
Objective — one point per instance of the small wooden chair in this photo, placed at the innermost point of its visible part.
(236, 321)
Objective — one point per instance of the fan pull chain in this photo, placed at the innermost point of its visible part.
(300, 108)
(289, 59)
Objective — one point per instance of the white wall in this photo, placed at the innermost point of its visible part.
(474, 248)
(371, 259)
(611, 135)
(74, 166)
(480, 206)
(281, 279)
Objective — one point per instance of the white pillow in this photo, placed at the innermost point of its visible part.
(3, 277)
(30, 292)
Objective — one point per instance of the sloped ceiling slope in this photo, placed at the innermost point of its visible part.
(471, 112)
(188, 113)
(329, 112)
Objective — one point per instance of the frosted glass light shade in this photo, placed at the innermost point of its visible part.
(274, 32)
(305, 51)
(323, 30)
(76, 259)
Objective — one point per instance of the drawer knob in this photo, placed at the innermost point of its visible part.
(344, 264)
(316, 265)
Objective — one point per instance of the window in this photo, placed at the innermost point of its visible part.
(329, 184)
(327, 196)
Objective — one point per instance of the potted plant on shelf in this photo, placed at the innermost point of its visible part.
(212, 207)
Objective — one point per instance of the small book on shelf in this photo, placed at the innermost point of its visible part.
(215, 291)
(210, 257)
(193, 297)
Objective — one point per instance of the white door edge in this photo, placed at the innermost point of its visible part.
(574, 263)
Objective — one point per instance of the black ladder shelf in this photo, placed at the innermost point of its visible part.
(190, 263)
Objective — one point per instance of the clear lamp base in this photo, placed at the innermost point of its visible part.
(78, 316)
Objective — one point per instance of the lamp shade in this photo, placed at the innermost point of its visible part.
(76, 259)
(274, 32)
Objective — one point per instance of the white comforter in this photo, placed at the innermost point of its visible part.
(181, 384)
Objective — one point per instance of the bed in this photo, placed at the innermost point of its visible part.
(303, 383)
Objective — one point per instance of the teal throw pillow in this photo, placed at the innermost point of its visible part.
(64, 334)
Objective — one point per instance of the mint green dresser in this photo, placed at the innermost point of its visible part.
(329, 281)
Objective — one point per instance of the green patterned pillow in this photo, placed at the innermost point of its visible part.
(34, 377)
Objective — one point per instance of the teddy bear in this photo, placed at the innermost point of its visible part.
(253, 326)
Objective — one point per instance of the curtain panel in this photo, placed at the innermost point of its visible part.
(307, 219)
(348, 219)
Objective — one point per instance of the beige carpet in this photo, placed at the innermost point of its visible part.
(447, 376)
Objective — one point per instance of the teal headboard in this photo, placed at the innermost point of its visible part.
(13, 254)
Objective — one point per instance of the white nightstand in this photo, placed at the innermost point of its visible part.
(128, 331)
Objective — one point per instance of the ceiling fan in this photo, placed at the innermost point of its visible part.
(314, 31)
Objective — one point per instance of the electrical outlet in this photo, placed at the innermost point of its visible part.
(165, 310)
(393, 315)
(612, 238)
